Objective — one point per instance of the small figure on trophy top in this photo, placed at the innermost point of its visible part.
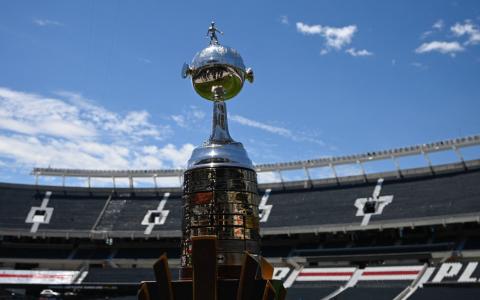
(212, 32)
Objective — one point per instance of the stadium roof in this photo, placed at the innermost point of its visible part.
(391, 154)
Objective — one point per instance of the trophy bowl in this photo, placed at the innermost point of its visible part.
(217, 66)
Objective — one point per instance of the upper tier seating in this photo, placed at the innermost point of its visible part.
(430, 199)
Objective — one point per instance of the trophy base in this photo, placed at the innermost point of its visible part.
(254, 283)
(223, 272)
(227, 289)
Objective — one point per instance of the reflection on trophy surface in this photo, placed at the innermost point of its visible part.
(220, 228)
(217, 66)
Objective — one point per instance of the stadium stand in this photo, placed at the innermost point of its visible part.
(413, 234)
(423, 200)
(75, 210)
(430, 293)
(15, 204)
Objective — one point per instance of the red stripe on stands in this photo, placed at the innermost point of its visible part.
(369, 273)
(375, 273)
(327, 274)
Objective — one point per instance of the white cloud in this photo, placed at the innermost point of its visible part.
(134, 123)
(72, 132)
(46, 22)
(363, 52)
(309, 29)
(339, 37)
(144, 60)
(189, 117)
(269, 128)
(440, 46)
(27, 152)
(438, 25)
(179, 120)
(284, 20)
(178, 156)
(335, 37)
(30, 114)
(294, 136)
(468, 29)
(419, 65)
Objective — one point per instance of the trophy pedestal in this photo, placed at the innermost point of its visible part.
(255, 281)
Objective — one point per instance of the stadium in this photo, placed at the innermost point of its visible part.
(353, 171)
(403, 233)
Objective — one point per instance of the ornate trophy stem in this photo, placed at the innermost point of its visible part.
(220, 134)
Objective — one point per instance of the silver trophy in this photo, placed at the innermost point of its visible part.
(220, 226)
(220, 184)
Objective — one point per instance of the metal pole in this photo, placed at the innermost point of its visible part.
(130, 180)
(363, 170)
(280, 175)
(460, 156)
(427, 158)
(334, 172)
(397, 166)
(309, 179)
(180, 180)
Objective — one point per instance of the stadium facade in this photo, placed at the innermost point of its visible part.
(409, 233)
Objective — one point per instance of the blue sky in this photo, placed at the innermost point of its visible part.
(96, 84)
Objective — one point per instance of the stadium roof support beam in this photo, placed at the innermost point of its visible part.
(334, 173)
(397, 166)
(459, 154)
(429, 162)
(281, 177)
(364, 174)
(308, 182)
(130, 182)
